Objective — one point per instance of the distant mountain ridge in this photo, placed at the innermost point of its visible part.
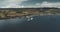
(27, 8)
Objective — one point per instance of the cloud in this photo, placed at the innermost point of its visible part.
(12, 3)
(47, 4)
(44, 4)
(15, 4)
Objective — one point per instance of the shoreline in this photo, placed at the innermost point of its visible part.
(31, 16)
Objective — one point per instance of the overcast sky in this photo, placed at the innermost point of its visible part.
(29, 3)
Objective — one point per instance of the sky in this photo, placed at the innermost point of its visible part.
(29, 3)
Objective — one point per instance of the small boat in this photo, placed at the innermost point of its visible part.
(29, 18)
(32, 18)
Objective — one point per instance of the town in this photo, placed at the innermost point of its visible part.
(21, 12)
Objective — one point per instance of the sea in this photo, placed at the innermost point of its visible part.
(48, 23)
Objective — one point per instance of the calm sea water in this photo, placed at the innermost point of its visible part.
(37, 24)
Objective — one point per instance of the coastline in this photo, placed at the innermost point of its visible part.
(30, 16)
(12, 13)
